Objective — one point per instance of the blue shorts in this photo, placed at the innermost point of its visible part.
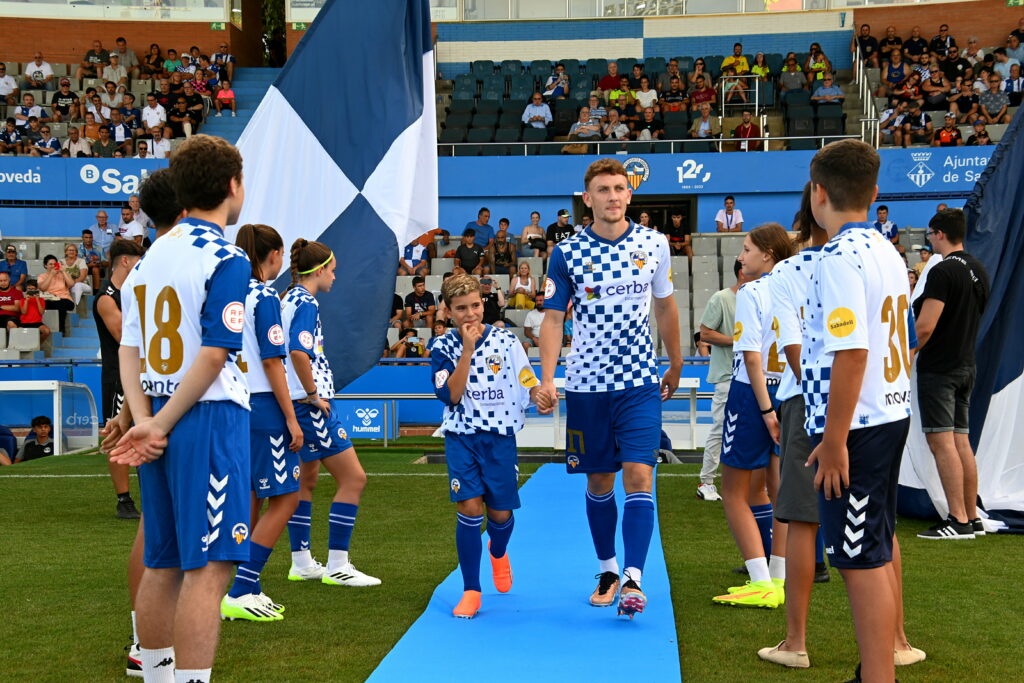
(483, 464)
(195, 497)
(605, 429)
(275, 467)
(746, 442)
(323, 434)
(858, 527)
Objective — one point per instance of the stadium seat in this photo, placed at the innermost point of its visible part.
(461, 105)
(485, 134)
(705, 246)
(775, 61)
(443, 265)
(485, 120)
(685, 64)
(767, 94)
(468, 150)
(486, 106)
(796, 97)
(452, 135)
(654, 65)
(522, 82)
(676, 131)
(464, 94)
(698, 147)
(580, 97)
(564, 117)
(799, 111)
(511, 67)
(458, 120)
(510, 119)
(572, 67)
(482, 67)
(495, 96)
(540, 68)
(638, 148)
(531, 134)
(661, 148)
(597, 67)
(59, 130)
(626, 64)
(676, 118)
(516, 316)
(465, 81)
(13, 68)
(496, 82)
(803, 144)
(23, 339)
(48, 248)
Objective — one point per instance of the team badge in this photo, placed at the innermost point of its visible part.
(494, 363)
(639, 258)
(593, 292)
(737, 331)
(306, 339)
(589, 266)
(527, 378)
(841, 322)
(637, 171)
(342, 434)
(276, 335)
(240, 532)
(295, 473)
(440, 377)
(573, 461)
(456, 485)
(233, 316)
(549, 288)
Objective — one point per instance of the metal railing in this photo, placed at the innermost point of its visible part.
(869, 132)
(756, 104)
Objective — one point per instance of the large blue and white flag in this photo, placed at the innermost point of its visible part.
(342, 149)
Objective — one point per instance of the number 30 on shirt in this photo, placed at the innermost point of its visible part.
(894, 314)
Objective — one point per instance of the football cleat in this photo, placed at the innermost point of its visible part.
(348, 575)
(501, 570)
(468, 606)
(279, 608)
(764, 594)
(126, 510)
(607, 589)
(632, 600)
(248, 607)
(312, 573)
(134, 667)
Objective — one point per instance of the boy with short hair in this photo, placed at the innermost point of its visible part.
(856, 386)
(31, 308)
(42, 446)
(481, 374)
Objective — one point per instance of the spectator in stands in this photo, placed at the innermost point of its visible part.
(732, 87)
(895, 73)
(28, 109)
(502, 254)
(917, 126)
(153, 114)
(678, 231)
(891, 40)
(164, 97)
(438, 330)
(610, 81)
(160, 147)
(700, 69)
(980, 135)
(981, 79)
(537, 113)
(533, 321)
(193, 101)
(522, 289)
(225, 98)
(915, 45)
(483, 231)
(104, 146)
(615, 129)
(187, 70)
(557, 85)
(38, 74)
(598, 114)
(622, 97)
(172, 62)
(1003, 62)
(1013, 86)
(131, 114)
(494, 302)
(748, 129)
(792, 77)
(936, 92)
(46, 146)
(585, 128)
(9, 90)
(31, 134)
(941, 44)
(649, 128)
(817, 66)
(963, 101)
(638, 73)
(10, 302)
(397, 313)
(705, 127)
(42, 445)
(413, 260)
(954, 65)
(100, 111)
(702, 94)
(65, 103)
(76, 145)
(646, 96)
(76, 268)
(93, 61)
(891, 122)
(887, 228)
(729, 218)
(923, 66)
(470, 255)
(760, 67)
(420, 306)
(911, 90)
(925, 252)
(974, 54)
(674, 98)
(94, 257)
(560, 230)
(130, 228)
(114, 72)
(532, 241)
(1014, 49)
(1019, 31)
(181, 121)
(410, 345)
(993, 104)
(31, 308)
(867, 44)
(10, 138)
(949, 135)
(224, 62)
(664, 81)
(120, 132)
(828, 92)
(152, 65)
(736, 60)
(55, 284)
(142, 150)
(129, 60)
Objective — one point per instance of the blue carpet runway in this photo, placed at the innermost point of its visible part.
(544, 629)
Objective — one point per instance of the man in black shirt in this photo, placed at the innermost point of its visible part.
(891, 40)
(42, 446)
(420, 306)
(954, 65)
(940, 45)
(106, 311)
(559, 230)
(915, 45)
(948, 312)
(397, 313)
(678, 231)
(65, 103)
(470, 255)
(494, 302)
(868, 45)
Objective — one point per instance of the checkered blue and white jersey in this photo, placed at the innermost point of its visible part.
(756, 329)
(887, 229)
(498, 388)
(788, 289)
(187, 293)
(300, 316)
(610, 284)
(263, 336)
(858, 299)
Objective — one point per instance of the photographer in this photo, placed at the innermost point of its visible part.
(31, 309)
(409, 345)
(55, 284)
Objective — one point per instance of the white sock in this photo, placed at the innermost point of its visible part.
(135, 630)
(758, 569)
(777, 567)
(157, 665)
(609, 565)
(302, 559)
(336, 559)
(192, 676)
(634, 574)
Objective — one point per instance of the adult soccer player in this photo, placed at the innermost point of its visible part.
(856, 386)
(194, 479)
(481, 371)
(608, 272)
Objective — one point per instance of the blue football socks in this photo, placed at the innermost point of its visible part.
(342, 521)
(499, 535)
(247, 578)
(469, 546)
(637, 527)
(603, 516)
(763, 517)
(298, 526)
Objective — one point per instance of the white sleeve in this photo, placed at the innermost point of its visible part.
(786, 309)
(661, 285)
(131, 332)
(843, 304)
(747, 331)
(525, 377)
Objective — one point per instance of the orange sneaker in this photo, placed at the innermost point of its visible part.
(468, 606)
(632, 600)
(607, 588)
(501, 570)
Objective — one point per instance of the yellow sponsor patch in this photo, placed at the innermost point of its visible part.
(527, 378)
(737, 331)
(841, 322)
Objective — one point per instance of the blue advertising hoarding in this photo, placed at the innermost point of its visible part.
(365, 419)
(58, 179)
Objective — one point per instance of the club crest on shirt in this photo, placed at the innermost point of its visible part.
(494, 363)
(239, 532)
(639, 258)
(573, 461)
(295, 473)
(456, 485)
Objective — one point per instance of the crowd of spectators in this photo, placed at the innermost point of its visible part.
(924, 78)
(126, 107)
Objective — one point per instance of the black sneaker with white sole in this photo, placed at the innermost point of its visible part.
(979, 526)
(821, 573)
(949, 530)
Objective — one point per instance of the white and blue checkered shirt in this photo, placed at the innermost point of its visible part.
(300, 316)
(788, 288)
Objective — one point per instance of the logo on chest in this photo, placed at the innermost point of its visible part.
(639, 258)
(494, 363)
